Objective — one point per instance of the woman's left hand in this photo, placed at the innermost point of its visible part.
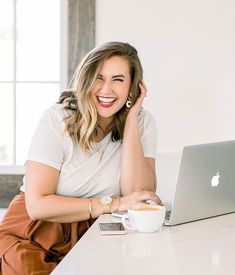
(135, 109)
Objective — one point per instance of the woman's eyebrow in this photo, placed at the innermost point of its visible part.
(114, 76)
(118, 75)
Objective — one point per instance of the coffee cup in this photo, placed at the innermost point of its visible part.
(144, 218)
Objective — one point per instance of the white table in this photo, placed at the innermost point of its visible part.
(197, 248)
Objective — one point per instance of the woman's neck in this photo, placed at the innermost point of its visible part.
(103, 128)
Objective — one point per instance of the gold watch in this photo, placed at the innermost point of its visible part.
(106, 203)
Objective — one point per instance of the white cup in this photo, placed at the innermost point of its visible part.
(144, 218)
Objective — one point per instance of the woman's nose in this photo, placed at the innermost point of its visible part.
(106, 87)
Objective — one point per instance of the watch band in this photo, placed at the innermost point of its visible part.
(106, 203)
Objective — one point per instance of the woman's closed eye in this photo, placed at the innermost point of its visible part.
(100, 77)
(118, 79)
(114, 78)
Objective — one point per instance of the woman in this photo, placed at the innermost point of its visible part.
(92, 153)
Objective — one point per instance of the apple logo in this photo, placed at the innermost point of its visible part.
(215, 180)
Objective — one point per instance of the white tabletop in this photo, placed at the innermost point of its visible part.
(201, 247)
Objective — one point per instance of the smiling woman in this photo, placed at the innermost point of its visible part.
(111, 88)
(91, 154)
(112, 70)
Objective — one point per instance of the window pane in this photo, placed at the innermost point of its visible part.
(6, 40)
(7, 124)
(32, 100)
(38, 40)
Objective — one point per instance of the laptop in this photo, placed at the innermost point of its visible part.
(206, 183)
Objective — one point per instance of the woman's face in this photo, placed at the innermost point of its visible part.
(111, 88)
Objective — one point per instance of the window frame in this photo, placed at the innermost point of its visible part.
(20, 169)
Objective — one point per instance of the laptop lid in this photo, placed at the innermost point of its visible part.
(205, 185)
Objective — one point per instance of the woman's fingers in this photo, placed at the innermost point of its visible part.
(143, 88)
(134, 110)
(143, 92)
(139, 197)
(149, 196)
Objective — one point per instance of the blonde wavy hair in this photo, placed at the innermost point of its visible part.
(82, 124)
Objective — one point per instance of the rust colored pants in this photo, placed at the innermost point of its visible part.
(34, 247)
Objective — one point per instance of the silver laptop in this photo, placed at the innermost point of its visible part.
(206, 183)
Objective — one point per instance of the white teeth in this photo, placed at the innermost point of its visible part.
(106, 99)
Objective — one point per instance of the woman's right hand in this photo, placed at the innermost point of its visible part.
(138, 197)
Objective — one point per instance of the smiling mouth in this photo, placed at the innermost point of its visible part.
(106, 101)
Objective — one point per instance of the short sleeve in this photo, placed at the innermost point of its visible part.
(46, 145)
(148, 134)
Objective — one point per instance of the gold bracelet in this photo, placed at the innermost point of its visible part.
(90, 207)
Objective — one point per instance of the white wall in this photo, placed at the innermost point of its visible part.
(188, 53)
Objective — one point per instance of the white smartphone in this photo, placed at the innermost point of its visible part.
(111, 228)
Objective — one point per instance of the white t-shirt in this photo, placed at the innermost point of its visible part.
(91, 175)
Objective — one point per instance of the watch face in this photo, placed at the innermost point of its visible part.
(106, 200)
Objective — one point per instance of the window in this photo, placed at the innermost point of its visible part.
(32, 69)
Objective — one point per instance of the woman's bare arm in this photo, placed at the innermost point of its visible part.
(137, 171)
(43, 203)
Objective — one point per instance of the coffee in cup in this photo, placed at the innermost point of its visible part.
(144, 218)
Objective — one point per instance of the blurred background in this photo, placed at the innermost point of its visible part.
(187, 50)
